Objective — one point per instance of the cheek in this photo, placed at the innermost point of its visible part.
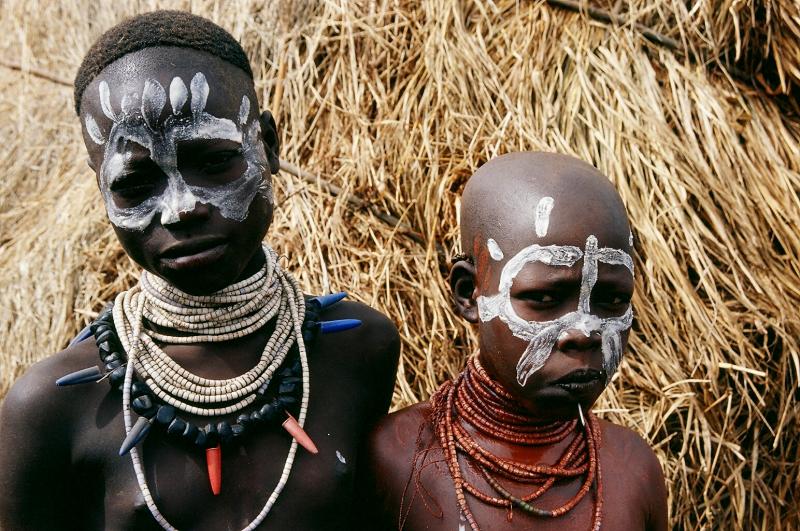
(133, 243)
(498, 343)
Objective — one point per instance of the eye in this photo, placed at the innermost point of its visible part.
(133, 186)
(614, 299)
(539, 298)
(220, 161)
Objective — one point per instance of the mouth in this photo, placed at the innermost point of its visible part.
(194, 253)
(581, 380)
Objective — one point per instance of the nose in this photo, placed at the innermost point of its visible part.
(574, 339)
(200, 212)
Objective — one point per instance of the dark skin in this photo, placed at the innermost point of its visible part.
(411, 485)
(64, 471)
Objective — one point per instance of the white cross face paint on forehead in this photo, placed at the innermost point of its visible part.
(543, 335)
(138, 123)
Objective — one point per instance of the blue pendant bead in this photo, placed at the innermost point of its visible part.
(324, 301)
(83, 335)
(339, 325)
(89, 374)
(138, 432)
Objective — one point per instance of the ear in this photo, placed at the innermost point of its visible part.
(462, 284)
(272, 143)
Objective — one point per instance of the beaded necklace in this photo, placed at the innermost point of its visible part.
(234, 312)
(475, 398)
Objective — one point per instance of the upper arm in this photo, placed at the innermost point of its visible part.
(34, 454)
(375, 351)
(657, 503)
(387, 470)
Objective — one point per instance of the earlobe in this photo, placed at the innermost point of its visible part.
(462, 284)
(269, 136)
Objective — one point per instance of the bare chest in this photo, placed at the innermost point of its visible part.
(430, 502)
(316, 495)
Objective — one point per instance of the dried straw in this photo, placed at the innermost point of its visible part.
(397, 103)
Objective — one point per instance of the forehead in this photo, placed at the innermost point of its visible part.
(128, 74)
(559, 219)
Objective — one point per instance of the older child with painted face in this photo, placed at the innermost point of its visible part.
(214, 367)
(512, 443)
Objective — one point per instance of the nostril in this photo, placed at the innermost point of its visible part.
(578, 339)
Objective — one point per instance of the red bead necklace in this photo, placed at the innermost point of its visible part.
(475, 398)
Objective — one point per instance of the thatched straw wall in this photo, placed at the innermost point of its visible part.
(398, 102)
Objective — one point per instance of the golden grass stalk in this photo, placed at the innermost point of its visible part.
(398, 102)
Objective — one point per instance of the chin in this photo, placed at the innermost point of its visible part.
(555, 403)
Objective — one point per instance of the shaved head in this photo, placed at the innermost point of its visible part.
(501, 200)
(551, 279)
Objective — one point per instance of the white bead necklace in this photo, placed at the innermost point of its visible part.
(233, 312)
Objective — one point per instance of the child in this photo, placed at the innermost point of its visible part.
(511, 443)
(218, 366)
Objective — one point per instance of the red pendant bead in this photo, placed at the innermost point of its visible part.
(214, 464)
(293, 427)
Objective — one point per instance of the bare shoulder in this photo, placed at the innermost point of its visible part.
(376, 341)
(628, 446)
(35, 393)
(38, 422)
(391, 455)
(630, 455)
(397, 437)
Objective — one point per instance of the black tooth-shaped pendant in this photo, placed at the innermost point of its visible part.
(190, 433)
(89, 374)
(117, 376)
(288, 401)
(287, 387)
(200, 438)
(139, 389)
(176, 427)
(103, 336)
(165, 414)
(225, 432)
(144, 406)
(138, 432)
(114, 356)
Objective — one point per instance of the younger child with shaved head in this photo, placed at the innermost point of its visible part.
(511, 443)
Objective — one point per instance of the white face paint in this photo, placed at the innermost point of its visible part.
(138, 123)
(542, 335)
(543, 209)
(494, 250)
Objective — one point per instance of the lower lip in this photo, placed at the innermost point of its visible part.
(202, 258)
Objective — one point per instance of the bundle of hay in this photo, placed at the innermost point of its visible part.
(386, 108)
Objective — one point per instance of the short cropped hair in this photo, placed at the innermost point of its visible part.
(158, 28)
